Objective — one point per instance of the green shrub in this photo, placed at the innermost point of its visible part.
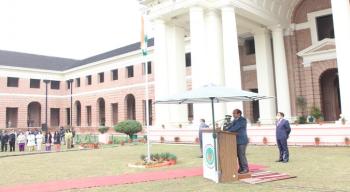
(103, 129)
(315, 112)
(128, 127)
(302, 119)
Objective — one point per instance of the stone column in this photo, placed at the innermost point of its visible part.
(231, 54)
(200, 68)
(265, 77)
(176, 71)
(160, 71)
(341, 20)
(214, 56)
(281, 72)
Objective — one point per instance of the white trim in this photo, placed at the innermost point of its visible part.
(311, 54)
(311, 17)
(78, 94)
(249, 68)
(301, 26)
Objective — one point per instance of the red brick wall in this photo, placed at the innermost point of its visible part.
(307, 6)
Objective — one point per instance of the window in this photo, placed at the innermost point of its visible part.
(88, 115)
(55, 85)
(115, 74)
(88, 80)
(325, 28)
(68, 84)
(114, 113)
(149, 68)
(77, 81)
(249, 45)
(101, 77)
(34, 83)
(12, 82)
(188, 59)
(130, 71)
(190, 112)
(68, 116)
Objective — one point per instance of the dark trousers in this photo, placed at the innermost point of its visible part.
(201, 142)
(21, 146)
(3, 147)
(242, 159)
(283, 149)
(12, 146)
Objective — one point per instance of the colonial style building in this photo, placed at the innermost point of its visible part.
(293, 50)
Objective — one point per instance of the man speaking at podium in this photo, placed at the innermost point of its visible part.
(239, 125)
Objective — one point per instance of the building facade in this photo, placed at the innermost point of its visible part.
(293, 50)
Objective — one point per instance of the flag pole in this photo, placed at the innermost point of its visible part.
(143, 43)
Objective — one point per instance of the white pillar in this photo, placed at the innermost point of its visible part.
(281, 72)
(177, 72)
(264, 69)
(200, 68)
(231, 54)
(341, 20)
(214, 55)
(160, 71)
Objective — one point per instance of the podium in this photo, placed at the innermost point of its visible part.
(220, 162)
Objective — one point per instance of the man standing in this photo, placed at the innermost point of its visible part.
(202, 126)
(4, 141)
(239, 125)
(12, 141)
(282, 134)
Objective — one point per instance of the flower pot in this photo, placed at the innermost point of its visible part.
(265, 141)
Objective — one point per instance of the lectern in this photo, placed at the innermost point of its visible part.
(220, 162)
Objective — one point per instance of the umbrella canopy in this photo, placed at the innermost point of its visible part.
(212, 94)
(206, 93)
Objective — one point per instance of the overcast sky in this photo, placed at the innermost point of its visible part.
(68, 28)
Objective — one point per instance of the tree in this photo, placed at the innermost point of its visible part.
(128, 127)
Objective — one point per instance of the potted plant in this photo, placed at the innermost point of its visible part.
(316, 113)
(301, 104)
(172, 159)
(317, 141)
(265, 141)
(301, 119)
(162, 139)
(196, 141)
(342, 119)
(180, 125)
(177, 139)
(128, 127)
(347, 141)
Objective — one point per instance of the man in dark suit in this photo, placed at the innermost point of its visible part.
(282, 134)
(239, 125)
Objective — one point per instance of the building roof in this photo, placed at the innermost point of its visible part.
(17, 59)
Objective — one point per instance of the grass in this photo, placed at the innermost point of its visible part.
(318, 168)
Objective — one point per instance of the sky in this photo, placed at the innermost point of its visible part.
(74, 29)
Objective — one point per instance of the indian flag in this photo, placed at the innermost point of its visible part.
(144, 38)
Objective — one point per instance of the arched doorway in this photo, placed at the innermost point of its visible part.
(101, 111)
(78, 113)
(330, 95)
(130, 107)
(34, 114)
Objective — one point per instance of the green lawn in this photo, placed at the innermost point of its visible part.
(318, 168)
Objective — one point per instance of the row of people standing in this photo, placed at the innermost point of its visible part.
(34, 139)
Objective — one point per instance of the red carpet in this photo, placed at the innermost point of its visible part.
(110, 180)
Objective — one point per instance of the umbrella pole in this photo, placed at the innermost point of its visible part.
(214, 132)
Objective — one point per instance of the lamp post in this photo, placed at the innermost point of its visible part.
(46, 92)
(71, 103)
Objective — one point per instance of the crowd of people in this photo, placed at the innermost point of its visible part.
(34, 139)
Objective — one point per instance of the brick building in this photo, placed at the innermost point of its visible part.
(286, 49)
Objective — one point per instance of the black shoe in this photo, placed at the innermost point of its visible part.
(280, 160)
(285, 161)
(201, 156)
(244, 171)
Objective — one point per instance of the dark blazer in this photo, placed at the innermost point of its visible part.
(240, 126)
(282, 129)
